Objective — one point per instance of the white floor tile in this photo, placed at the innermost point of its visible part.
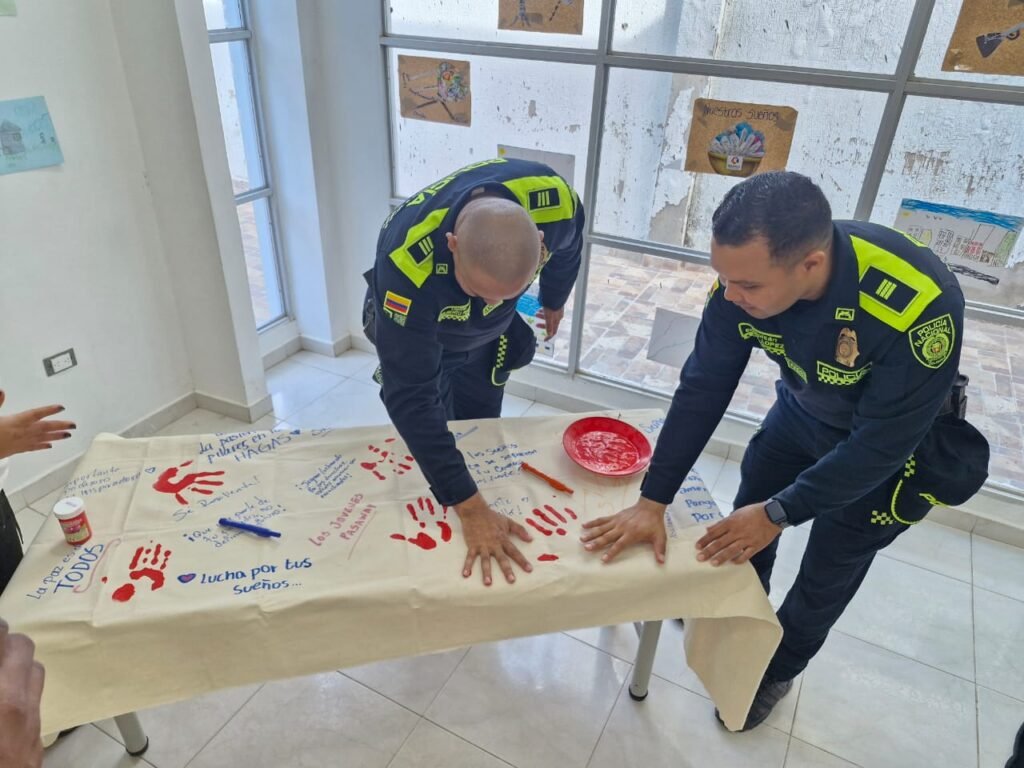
(803, 755)
(310, 722)
(709, 467)
(513, 406)
(536, 701)
(999, 719)
(350, 404)
(352, 363)
(433, 747)
(792, 544)
(44, 506)
(936, 547)
(178, 731)
(998, 629)
(998, 567)
(413, 682)
(30, 522)
(674, 727)
(914, 612)
(293, 386)
(728, 481)
(89, 747)
(203, 422)
(541, 409)
(875, 708)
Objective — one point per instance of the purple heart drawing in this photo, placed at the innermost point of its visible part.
(185, 578)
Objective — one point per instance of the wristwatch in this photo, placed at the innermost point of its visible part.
(773, 508)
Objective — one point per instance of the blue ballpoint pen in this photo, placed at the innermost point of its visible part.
(259, 531)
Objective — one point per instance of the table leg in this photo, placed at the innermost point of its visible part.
(644, 662)
(135, 739)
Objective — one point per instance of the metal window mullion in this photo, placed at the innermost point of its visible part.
(988, 93)
(252, 194)
(888, 125)
(597, 112)
(267, 191)
(229, 35)
(648, 248)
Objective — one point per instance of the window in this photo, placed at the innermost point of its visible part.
(238, 95)
(878, 121)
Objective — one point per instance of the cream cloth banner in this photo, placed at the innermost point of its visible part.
(164, 604)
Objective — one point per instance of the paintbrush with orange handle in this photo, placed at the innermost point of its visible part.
(546, 478)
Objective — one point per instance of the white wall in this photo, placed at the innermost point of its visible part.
(81, 261)
(122, 251)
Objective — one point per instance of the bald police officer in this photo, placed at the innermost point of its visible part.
(866, 433)
(451, 263)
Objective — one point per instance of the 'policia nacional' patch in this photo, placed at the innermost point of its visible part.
(932, 342)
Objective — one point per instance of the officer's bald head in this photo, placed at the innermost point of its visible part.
(497, 247)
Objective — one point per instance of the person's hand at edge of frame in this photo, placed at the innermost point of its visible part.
(31, 430)
(489, 535)
(644, 522)
(21, 690)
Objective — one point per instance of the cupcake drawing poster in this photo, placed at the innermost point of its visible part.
(734, 138)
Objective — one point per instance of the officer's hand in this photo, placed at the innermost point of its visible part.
(644, 521)
(738, 537)
(552, 319)
(489, 534)
(21, 687)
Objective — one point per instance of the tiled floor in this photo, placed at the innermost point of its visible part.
(925, 669)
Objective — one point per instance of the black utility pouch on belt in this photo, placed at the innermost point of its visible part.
(951, 463)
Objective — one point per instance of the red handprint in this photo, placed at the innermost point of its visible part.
(424, 540)
(152, 568)
(549, 517)
(165, 483)
(387, 458)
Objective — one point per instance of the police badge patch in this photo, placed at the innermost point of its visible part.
(846, 347)
(932, 342)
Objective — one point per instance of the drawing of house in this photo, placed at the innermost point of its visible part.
(10, 139)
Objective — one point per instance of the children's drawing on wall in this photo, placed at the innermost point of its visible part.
(27, 137)
(436, 90)
(731, 138)
(560, 16)
(978, 246)
(986, 38)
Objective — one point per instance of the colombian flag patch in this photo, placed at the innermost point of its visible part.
(395, 303)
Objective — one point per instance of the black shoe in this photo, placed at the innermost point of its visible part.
(769, 693)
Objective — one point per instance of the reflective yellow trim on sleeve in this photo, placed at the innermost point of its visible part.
(926, 291)
(415, 257)
(546, 198)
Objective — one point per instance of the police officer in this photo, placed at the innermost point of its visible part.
(866, 433)
(451, 263)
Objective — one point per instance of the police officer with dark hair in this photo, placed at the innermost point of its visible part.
(867, 431)
(452, 261)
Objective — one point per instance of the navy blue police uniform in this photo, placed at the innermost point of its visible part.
(444, 354)
(865, 372)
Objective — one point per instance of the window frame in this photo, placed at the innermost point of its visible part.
(266, 192)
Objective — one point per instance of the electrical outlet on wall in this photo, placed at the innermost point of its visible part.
(60, 362)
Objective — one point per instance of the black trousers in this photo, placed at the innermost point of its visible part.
(10, 542)
(472, 384)
(842, 544)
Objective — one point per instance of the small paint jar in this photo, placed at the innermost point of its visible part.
(70, 513)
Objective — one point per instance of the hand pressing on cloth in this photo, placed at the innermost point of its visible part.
(738, 537)
(21, 688)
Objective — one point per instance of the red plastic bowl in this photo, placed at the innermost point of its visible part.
(607, 446)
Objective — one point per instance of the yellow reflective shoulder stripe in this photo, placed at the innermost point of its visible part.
(870, 255)
(415, 257)
(546, 198)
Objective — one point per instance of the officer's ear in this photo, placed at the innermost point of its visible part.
(814, 261)
(453, 241)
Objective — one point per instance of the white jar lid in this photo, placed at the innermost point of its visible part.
(67, 508)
